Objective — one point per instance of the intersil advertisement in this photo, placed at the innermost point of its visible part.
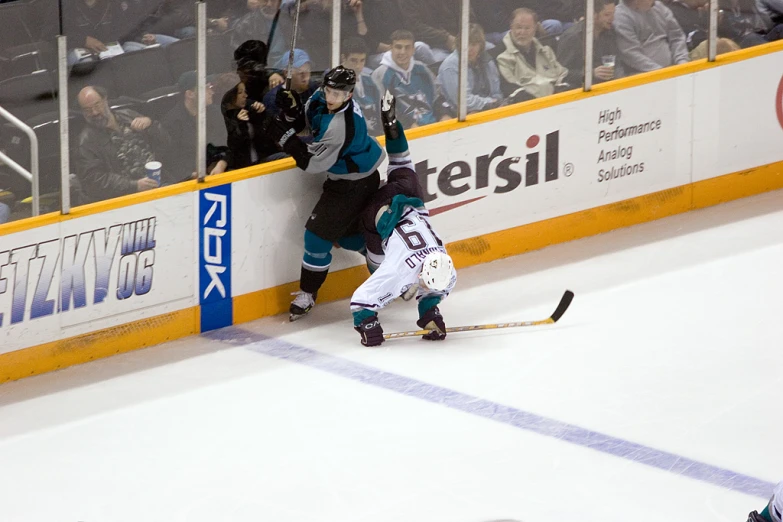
(491, 177)
(95, 272)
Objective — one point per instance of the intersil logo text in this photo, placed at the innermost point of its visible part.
(541, 165)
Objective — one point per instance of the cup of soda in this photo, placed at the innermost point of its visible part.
(153, 170)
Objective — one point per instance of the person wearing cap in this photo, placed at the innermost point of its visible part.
(350, 157)
(181, 123)
(300, 80)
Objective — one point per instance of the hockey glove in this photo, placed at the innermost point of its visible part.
(754, 516)
(371, 331)
(289, 103)
(433, 321)
(286, 139)
(389, 116)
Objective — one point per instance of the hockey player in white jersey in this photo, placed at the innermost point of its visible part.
(404, 254)
(774, 510)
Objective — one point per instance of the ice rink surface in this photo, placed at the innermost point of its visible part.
(657, 397)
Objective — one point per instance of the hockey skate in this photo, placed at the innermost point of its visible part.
(301, 305)
(389, 116)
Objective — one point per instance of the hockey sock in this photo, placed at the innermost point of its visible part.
(426, 303)
(315, 263)
(398, 145)
(361, 315)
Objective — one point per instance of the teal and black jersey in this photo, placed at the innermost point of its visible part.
(341, 146)
(415, 90)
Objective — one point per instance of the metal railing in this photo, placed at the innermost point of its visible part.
(32, 174)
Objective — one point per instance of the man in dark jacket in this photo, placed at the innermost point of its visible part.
(571, 47)
(114, 148)
(182, 126)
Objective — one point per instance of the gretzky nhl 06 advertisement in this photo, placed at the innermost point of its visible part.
(100, 268)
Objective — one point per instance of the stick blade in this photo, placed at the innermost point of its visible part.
(565, 302)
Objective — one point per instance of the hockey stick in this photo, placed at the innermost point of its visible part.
(289, 73)
(565, 302)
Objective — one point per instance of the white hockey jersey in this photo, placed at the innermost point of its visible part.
(404, 252)
(776, 503)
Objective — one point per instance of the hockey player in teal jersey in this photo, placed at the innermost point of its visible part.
(774, 510)
(350, 157)
(404, 253)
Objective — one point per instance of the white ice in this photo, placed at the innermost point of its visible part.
(673, 342)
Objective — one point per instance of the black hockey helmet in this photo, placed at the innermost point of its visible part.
(340, 78)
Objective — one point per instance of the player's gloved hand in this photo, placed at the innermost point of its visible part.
(278, 131)
(289, 103)
(432, 320)
(286, 139)
(754, 516)
(389, 116)
(371, 331)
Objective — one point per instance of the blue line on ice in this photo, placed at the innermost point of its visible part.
(493, 411)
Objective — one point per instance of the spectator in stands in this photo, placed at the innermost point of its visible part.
(771, 8)
(300, 80)
(483, 77)
(251, 60)
(411, 82)
(256, 24)
(648, 36)
(114, 148)
(247, 142)
(353, 56)
(181, 124)
(5, 213)
(530, 69)
(90, 25)
(571, 46)
(243, 111)
(693, 16)
(746, 25)
(314, 32)
(435, 22)
(142, 24)
(383, 17)
(494, 16)
(171, 18)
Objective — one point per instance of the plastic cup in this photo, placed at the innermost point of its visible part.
(153, 169)
(608, 60)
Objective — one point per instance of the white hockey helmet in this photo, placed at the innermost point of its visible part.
(437, 271)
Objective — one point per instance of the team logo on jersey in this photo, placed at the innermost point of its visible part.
(540, 164)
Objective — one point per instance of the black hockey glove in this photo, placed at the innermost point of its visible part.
(290, 104)
(432, 320)
(371, 331)
(754, 516)
(286, 139)
(389, 116)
